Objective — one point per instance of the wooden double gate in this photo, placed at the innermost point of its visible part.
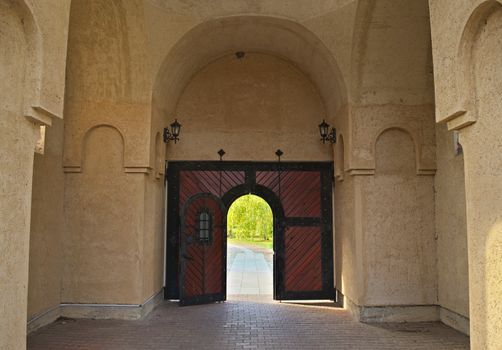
(199, 195)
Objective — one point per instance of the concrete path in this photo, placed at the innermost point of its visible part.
(250, 270)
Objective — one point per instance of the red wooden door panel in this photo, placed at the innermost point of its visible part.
(202, 257)
(303, 263)
(301, 254)
(300, 197)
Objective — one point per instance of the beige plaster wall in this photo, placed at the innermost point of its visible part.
(114, 187)
(153, 240)
(348, 249)
(392, 80)
(16, 161)
(250, 107)
(47, 224)
(451, 226)
(483, 165)
(109, 81)
(104, 220)
(388, 66)
(467, 64)
(23, 87)
(52, 21)
(397, 219)
(384, 200)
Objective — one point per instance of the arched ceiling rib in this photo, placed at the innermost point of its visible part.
(213, 39)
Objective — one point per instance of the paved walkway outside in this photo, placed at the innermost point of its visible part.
(246, 321)
(250, 270)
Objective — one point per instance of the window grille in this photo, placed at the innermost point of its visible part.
(205, 226)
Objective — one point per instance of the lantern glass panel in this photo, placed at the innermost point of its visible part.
(323, 129)
(175, 128)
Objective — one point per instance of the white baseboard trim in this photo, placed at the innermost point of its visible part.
(455, 320)
(96, 311)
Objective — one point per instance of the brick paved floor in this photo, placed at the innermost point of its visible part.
(247, 323)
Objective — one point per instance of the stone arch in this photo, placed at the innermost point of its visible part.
(464, 112)
(95, 128)
(213, 39)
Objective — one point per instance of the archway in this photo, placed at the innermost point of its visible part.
(302, 207)
(216, 39)
(250, 229)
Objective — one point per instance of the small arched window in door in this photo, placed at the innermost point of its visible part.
(205, 226)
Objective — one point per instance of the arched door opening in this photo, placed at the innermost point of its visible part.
(250, 231)
(196, 244)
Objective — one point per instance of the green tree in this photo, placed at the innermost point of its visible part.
(250, 218)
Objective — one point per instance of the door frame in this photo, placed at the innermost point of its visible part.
(278, 228)
(173, 219)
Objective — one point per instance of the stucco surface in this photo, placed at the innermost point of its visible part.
(250, 107)
(467, 65)
(16, 159)
(47, 225)
(348, 246)
(336, 52)
(108, 79)
(51, 18)
(384, 199)
(484, 187)
(451, 226)
(402, 237)
(111, 168)
(397, 219)
(104, 218)
(23, 85)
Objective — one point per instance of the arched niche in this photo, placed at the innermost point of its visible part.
(395, 152)
(422, 166)
(103, 149)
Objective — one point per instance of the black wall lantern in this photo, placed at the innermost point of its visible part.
(326, 134)
(174, 133)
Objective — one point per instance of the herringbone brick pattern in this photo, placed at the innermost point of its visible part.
(244, 324)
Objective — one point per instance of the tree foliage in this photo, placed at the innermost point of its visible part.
(250, 218)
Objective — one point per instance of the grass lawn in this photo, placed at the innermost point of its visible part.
(261, 244)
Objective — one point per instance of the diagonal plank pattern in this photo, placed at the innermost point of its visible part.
(301, 240)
